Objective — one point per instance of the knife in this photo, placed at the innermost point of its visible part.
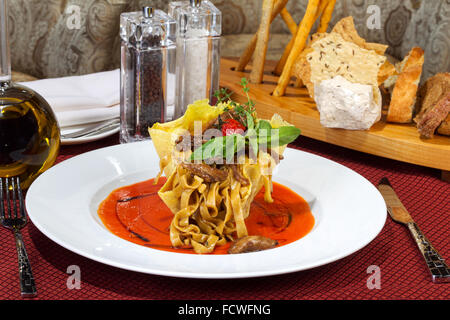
(440, 273)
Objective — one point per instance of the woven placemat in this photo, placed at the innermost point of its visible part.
(403, 273)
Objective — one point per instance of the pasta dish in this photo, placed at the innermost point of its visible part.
(214, 193)
(212, 180)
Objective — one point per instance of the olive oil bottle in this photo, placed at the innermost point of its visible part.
(29, 132)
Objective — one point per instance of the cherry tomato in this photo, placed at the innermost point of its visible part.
(232, 126)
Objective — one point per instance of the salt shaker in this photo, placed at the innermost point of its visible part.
(199, 27)
(148, 63)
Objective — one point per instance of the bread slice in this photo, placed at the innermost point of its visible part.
(431, 119)
(430, 92)
(444, 127)
(346, 28)
(330, 55)
(428, 96)
(403, 97)
(386, 71)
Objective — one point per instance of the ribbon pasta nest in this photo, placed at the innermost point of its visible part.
(216, 159)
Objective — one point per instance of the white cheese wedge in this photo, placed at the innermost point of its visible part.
(347, 105)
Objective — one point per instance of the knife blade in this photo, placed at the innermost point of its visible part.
(395, 207)
(440, 272)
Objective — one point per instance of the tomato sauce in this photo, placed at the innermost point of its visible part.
(137, 214)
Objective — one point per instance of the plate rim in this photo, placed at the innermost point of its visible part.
(91, 138)
(193, 275)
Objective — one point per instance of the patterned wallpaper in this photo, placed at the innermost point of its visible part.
(47, 42)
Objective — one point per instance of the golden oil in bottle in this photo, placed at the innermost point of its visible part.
(29, 133)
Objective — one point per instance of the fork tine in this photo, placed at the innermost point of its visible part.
(8, 204)
(14, 198)
(2, 206)
(21, 202)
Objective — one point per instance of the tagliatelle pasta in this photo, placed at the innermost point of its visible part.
(210, 214)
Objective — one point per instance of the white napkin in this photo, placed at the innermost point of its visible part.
(82, 99)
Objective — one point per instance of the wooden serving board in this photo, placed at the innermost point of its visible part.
(395, 141)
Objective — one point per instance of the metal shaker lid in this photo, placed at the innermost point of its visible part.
(196, 17)
(148, 28)
(196, 3)
(148, 12)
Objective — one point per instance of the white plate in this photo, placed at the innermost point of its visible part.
(87, 139)
(62, 203)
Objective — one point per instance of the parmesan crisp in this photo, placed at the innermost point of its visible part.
(333, 56)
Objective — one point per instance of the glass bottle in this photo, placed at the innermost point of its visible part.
(29, 132)
(147, 72)
(199, 27)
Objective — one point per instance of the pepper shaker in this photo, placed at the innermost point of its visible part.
(199, 27)
(148, 62)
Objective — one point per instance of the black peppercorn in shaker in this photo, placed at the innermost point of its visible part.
(149, 94)
(147, 75)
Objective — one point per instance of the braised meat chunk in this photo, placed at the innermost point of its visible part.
(206, 172)
(252, 244)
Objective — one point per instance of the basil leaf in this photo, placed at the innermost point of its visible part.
(252, 139)
(233, 144)
(264, 133)
(209, 149)
(286, 135)
(250, 121)
(264, 124)
(220, 147)
(279, 137)
(198, 153)
(227, 146)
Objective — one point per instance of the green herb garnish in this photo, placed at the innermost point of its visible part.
(220, 147)
(250, 104)
(258, 134)
(222, 95)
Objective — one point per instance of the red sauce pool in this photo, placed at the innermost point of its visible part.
(137, 214)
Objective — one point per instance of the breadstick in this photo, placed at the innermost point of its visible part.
(299, 44)
(290, 22)
(247, 55)
(256, 75)
(326, 16)
(298, 83)
(280, 65)
(322, 6)
(323, 3)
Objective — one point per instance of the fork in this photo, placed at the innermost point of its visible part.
(97, 128)
(14, 217)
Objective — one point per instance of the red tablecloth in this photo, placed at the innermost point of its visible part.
(404, 274)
